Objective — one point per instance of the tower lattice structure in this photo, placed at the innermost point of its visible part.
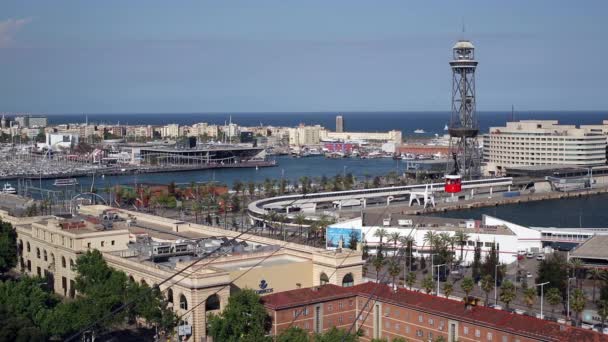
(464, 127)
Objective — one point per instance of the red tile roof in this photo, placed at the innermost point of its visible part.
(480, 315)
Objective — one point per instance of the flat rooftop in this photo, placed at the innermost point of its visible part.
(372, 219)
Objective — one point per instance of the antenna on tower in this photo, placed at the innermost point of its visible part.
(512, 113)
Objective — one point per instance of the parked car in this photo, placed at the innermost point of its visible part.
(529, 255)
(540, 257)
(528, 274)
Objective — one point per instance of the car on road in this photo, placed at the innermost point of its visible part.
(540, 257)
(528, 274)
(529, 255)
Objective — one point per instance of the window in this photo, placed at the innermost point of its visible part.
(63, 261)
(397, 326)
(45, 256)
(489, 336)
(295, 313)
(28, 247)
(212, 303)
(505, 339)
(477, 333)
(341, 305)
(351, 303)
(88, 245)
(407, 329)
(431, 321)
(323, 279)
(170, 295)
(29, 265)
(430, 336)
(419, 333)
(183, 302)
(71, 263)
(306, 311)
(306, 325)
(420, 318)
(37, 252)
(348, 280)
(102, 243)
(329, 307)
(112, 243)
(340, 319)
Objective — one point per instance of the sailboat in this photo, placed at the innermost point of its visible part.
(446, 127)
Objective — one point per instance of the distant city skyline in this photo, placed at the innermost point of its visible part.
(313, 56)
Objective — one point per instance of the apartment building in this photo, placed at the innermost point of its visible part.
(541, 142)
(305, 135)
(378, 311)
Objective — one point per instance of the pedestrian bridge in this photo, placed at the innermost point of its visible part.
(307, 203)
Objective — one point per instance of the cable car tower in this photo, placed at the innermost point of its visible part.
(464, 127)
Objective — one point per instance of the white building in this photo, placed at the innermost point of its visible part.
(390, 136)
(305, 135)
(170, 131)
(64, 140)
(541, 142)
(508, 237)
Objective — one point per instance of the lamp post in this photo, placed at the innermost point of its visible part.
(433, 264)
(496, 284)
(568, 294)
(542, 288)
(438, 277)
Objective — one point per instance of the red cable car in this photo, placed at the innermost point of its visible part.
(453, 181)
(453, 184)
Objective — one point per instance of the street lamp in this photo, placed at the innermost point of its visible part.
(542, 288)
(496, 284)
(432, 263)
(568, 293)
(438, 277)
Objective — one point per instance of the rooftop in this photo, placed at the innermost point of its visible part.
(371, 219)
(532, 327)
(592, 248)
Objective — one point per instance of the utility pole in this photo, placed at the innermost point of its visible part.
(542, 287)
(438, 277)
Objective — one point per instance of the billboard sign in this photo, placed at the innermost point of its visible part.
(333, 236)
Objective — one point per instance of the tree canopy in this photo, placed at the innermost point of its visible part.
(8, 247)
(243, 319)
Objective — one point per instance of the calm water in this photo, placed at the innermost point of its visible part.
(289, 168)
(585, 212)
(407, 122)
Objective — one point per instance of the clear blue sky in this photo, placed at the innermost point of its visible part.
(241, 56)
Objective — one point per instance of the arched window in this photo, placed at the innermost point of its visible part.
(131, 278)
(348, 280)
(37, 252)
(29, 265)
(71, 263)
(170, 295)
(20, 246)
(28, 247)
(183, 302)
(212, 303)
(45, 255)
(143, 283)
(63, 261)
(52, 258)
(323, 279)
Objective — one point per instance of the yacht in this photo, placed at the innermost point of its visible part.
(65, 182)
(419, 131)
(8, 189)
(445, 128)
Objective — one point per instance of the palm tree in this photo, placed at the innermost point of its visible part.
(378, 265)
(430, 237)
(197, 208)
(577, 303)
(530, 296)
(448, 288)
(554, 298)
(407, 242)
(462, 237)
(595, 274)
(428, 284)
(393, 271)
(300, 219)
(575, 265)
(381, 234)
(487, 285)
(602, 311)
(507, 293)
(395, 237)
(466, 285)
(410, 280)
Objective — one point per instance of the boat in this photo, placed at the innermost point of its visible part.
(445, 128)
(419, 131)
(8, 189)
(65, 182)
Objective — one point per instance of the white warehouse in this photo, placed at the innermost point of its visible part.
(509, 237)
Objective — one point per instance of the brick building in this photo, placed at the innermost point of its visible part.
(412, 315)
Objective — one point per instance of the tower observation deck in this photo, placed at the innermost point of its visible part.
(464, 127)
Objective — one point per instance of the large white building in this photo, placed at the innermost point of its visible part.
(305, 135)
(510, 238)
(542, 142)
(390, 136)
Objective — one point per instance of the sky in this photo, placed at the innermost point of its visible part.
(297, 56)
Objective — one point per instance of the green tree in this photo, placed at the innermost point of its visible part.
(476, 266)
(602, 311)
(530, 296)
(381, 234)
(353, 241)
(243, 319)
(393, 270)
(448, 288)
(336, 335)
(595, 274)
(466, 285)
(410, 279)
(487, 285)
(554, 270)
(577, 303)
(461, 237)
(378, 263)
(554, 298)
(428, 284)
(293, 334)
(507, 292)
(300, 219)
(8, 247)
